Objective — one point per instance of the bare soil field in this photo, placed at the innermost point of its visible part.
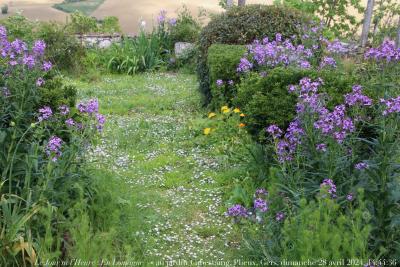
(36, 9)
(129, 12)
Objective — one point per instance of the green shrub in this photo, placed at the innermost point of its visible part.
(186, 29)
(265, 99)
(137, 55)
(62, 48)
(19, 27)
(242, 25)
(80, 23)
(55, 93)
(222, 64)
(321, 232)
(4, 9)
(110, 25)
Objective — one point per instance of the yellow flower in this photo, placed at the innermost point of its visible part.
(236, 110)
(207, 131)
(224, 108)
(211, 115)
(242, 115)
(242, 125)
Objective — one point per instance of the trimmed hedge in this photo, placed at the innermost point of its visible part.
(222, 64)
(242, 25)
(266, 100)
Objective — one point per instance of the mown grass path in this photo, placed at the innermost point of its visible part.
(151, 141)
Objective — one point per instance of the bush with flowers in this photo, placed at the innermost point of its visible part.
(42, 151)
(346, 147)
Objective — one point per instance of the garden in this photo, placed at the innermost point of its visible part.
(264, 135)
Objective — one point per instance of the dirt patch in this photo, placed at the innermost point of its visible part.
(130, 13)
(36, 10)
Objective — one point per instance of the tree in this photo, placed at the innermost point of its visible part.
(367, 22)
(241, 2)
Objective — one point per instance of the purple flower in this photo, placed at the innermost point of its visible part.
(39, 82)
(18, 46)
(278, 37)
(260, 205)
(387, 52)
(287, 146)
(275, 131)
(220, 83)
(92, 106)
(162, 16)
(357, 98)
(361, 166)
(172, 22)
(350, 197)
(335, 123)
(47, 66)
(38, 47)
(261, 192)
(81, 107)
(70, 122)
(336, 47)
(29, 61)
(101, 120)
(64, 110)
(245, 65)
(3, 33)
(328, 61)
(280, 216)
(392, 105)
(328, 183)
(230, 82)
(321, 147)
(45, 113)
(53, 148)
(237, 211)
(304, 64)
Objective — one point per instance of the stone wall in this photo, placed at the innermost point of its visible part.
(99, 40)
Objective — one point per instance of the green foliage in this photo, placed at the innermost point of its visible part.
(242, 25)
(322, 232)
(186, 29)
(84, 6)
(19, 27)
(62, 48)
(55, 93)
(110, 25)
(222, 64)
(4, 9)
(80, 23)
(306, 6)
(135, 55)
(265, 98)
(385, 20)
(336, 15)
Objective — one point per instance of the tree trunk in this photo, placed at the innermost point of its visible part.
(398, 35)
(229, 3)
(241, 2)
(367, 22)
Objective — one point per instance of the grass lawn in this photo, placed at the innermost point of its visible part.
(85, 6)
(154, 143)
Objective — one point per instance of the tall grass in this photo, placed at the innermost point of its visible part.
(136, 55)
